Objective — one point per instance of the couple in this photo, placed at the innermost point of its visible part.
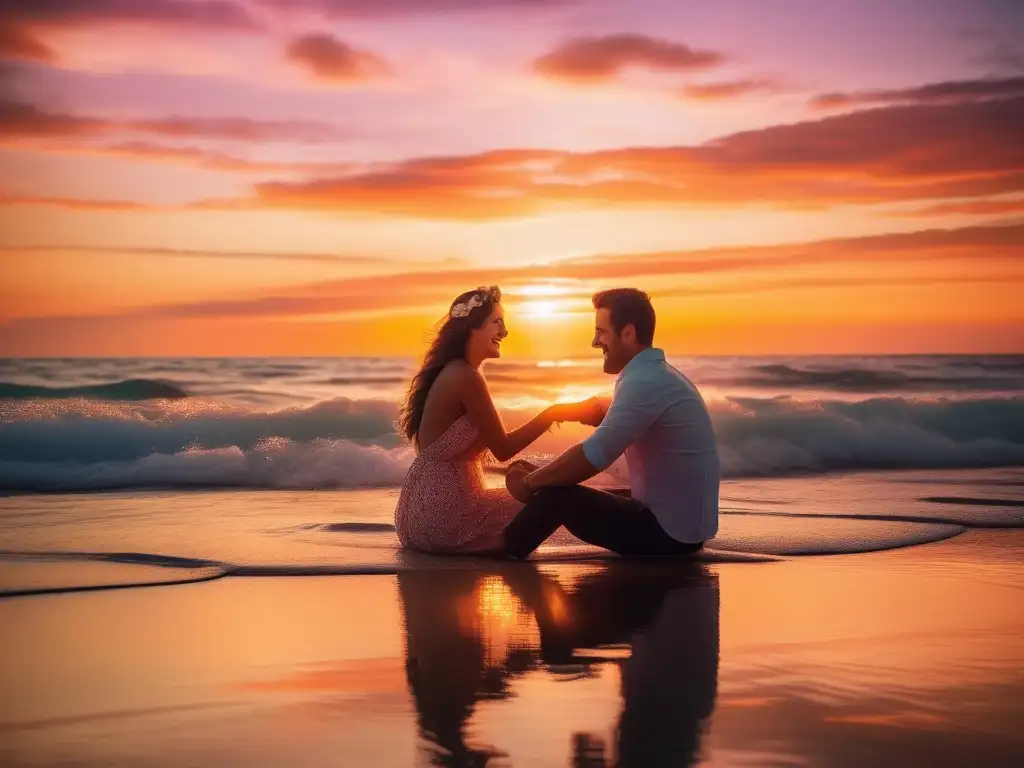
(656, 417)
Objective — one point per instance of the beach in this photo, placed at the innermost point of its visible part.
(363, 655)
(199, 567)
(907, 657)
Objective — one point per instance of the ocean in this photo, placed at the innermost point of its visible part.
(144, 470)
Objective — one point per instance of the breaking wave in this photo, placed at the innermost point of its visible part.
(128, 390)
(873, 380)
(83, 445)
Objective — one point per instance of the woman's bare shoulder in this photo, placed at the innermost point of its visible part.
(458, 372)
(455, 376)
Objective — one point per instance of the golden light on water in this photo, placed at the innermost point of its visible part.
(502, 622)
(496, 605)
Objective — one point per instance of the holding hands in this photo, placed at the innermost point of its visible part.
(590, 412)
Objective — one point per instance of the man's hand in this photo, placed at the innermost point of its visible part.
(514, 481)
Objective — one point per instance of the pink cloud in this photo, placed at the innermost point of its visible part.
(28, 120)
(728, 89)
(951, 92)
(22, 119)
(329, 58)
(24, 24)
(384, 8)
(590, 59)
(884, 155)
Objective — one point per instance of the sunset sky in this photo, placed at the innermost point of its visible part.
(311, 177)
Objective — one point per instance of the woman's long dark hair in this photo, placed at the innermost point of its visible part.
(448, 345)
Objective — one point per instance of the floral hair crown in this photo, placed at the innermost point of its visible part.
(463, 308)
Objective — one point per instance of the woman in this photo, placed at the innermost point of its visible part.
(450, 417)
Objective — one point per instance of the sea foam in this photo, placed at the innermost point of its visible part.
(84, 445)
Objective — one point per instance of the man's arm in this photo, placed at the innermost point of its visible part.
(570, 468)
(635, 407)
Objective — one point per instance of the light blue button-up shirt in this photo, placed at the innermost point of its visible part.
(659, 420)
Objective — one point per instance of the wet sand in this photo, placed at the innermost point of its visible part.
(906, 657)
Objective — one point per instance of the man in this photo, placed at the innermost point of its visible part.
(659, 420)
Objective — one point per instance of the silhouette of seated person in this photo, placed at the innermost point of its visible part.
(469, 632)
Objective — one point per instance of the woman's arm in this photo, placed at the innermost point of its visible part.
(504, 445)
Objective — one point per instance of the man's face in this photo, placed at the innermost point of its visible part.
(616, 348)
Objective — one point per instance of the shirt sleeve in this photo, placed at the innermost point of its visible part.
(634, 408)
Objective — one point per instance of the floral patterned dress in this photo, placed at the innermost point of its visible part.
(444, 505)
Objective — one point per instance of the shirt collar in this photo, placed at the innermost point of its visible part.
(644, 356)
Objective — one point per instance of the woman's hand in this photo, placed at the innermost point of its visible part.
(590, 412)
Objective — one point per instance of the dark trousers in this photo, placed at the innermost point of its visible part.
(609, 520)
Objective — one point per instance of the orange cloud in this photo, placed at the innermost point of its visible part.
(331, 59)
(403, 335)
(971, 208)
(73, 203)
(803, 284)
(208, 159)
(24, 23)
(16, 43)
(590, 59)
(299, 305)
(729, 89)
(431, 290)
(951, 92)
(884, 155)
(320, 258)
(1001, 242)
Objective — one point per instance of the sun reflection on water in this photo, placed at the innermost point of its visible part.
(500, 620)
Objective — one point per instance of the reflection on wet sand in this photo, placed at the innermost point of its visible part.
(470, 633)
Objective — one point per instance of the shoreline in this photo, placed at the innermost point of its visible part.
(841, 472)
(913, 653)
(66, 542)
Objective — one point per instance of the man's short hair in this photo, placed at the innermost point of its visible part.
(629, 306)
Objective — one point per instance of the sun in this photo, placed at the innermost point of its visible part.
(540, 308)
(543, 301)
